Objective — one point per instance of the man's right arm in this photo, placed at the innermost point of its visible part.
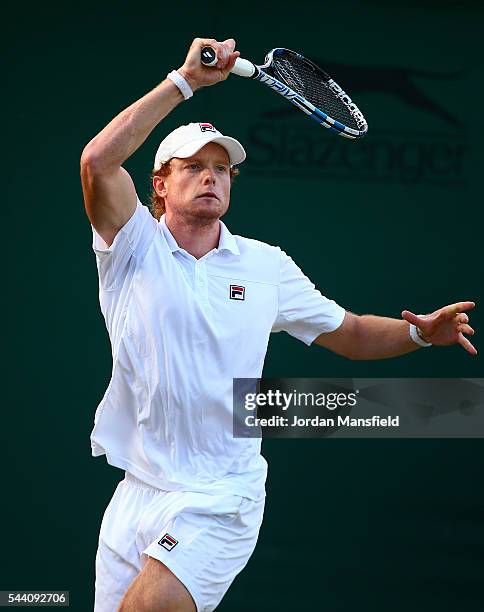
(109, 192)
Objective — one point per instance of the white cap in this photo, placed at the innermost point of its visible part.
(186, 140)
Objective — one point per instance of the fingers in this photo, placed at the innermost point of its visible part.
(447, 312)
(224, 50)
(466, 344)
(460, 306)
(411, 317)
(230, 44)
(465, 329)
(231, 63)
(225, 53)
(199, 75)
(448, 325)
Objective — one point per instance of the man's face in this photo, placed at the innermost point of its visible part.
(198, 187)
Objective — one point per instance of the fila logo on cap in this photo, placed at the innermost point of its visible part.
(168, 542)
(237, 292)
(207, 127)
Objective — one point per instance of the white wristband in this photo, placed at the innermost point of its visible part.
(416, 337)
(181, 83)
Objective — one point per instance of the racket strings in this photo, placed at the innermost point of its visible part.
(310, 82)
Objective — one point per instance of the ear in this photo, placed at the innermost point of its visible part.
(160, 186)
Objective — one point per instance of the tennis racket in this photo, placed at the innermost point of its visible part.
(305, 85)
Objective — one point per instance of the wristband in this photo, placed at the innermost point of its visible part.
(181, 83)
(416, 335)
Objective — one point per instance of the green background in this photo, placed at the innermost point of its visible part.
(387, 223)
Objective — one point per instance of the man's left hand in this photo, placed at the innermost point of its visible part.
(445, 326)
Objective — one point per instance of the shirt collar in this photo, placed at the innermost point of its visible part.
(227, 240)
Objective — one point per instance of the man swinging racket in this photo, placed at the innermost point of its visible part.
(189, 306)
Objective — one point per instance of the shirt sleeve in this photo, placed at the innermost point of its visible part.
(303, 312)
(132, 241)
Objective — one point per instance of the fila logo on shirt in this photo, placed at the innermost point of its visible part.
(207, 127)
(168, 542)
(237, 292)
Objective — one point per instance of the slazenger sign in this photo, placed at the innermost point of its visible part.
(410, 157)
(279, 141)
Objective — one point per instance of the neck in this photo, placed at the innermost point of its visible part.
(197, 238)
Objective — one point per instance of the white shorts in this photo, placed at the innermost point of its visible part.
(205, 540)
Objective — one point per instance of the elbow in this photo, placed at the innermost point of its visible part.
(96, 164)
(90, 160)
(94, 158)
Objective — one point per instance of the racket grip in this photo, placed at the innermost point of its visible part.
(242, 67)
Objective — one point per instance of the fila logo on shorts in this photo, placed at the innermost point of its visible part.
(168, 542)
(237, 292)
(207, 127)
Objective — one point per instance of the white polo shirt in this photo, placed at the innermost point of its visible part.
(181, 329)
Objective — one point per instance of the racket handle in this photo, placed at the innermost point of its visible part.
(242, 67)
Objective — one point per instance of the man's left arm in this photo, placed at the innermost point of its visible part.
(373, 337)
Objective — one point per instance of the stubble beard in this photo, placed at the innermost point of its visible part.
(199, 214)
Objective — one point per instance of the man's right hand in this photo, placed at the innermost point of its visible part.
(199, 75)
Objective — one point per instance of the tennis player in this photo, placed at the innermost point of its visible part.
(189, 306)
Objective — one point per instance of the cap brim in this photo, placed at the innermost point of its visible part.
(233, 147)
